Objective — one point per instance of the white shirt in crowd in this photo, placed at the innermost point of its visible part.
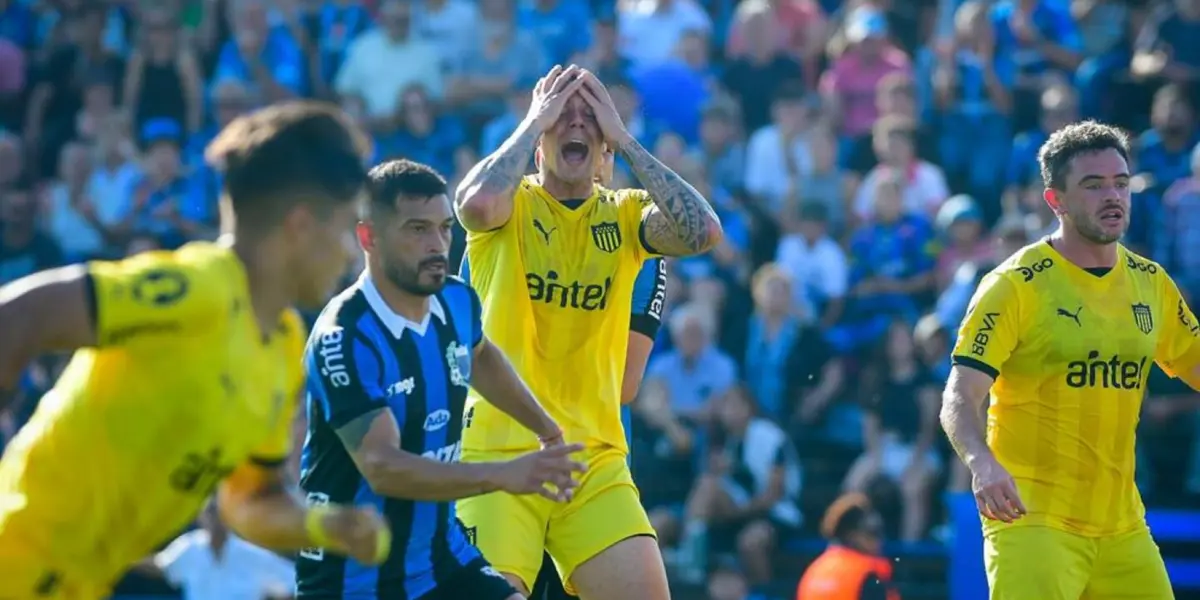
(378, 69)
(242, 572)
(820, 271)
(766, 165)
(649, 35)
(925, 190)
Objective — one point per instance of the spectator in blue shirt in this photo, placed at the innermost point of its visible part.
(334, 25)
(261, 56)
(892, 266)
(162, 207)
(563, 26)
(18, 24)
(673, 92)
(230, 98)
(421, 134)
(1041, 40)
(1164, 155)
(498, 129)
(1059, 107)
(500, 60)
(973, 98)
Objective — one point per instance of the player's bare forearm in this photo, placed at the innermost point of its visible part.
(636, 358)
(256, 504)
(682, 222)
(373, 441)
(497, 381)
(45, 312)
(484, 198)
(962, 413)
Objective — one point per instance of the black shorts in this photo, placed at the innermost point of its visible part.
(476, 580)
(548, 585)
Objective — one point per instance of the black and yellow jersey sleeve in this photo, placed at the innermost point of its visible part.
(634, 204)
(277, 445)
(158, 293)
(990, 331)
(1178, 351)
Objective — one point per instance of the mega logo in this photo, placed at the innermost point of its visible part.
(333, 362)
(1185, 319)
(1150, 268)
(445, 454)
(984, 335)
(1113, 373)
(199, 473)
(1029, 272)
(549, 290)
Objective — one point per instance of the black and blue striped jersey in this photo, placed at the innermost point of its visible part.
(361, 356)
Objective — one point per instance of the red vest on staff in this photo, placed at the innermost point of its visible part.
(839, 573)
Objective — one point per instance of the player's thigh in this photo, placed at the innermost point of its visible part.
(510, 531)
(549, 585)
(476, 580)
(603, 538)
(1129, 567)
(1037, 562)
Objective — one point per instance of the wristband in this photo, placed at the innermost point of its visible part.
(557, 435)
(314, 526)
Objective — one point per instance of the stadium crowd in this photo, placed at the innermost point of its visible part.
(870, 161)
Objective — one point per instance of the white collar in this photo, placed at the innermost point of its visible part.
(396, 323)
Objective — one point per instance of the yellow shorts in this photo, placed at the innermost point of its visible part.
(1042, 563)
(512, 532)
(26, 578)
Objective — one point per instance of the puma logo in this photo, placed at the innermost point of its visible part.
(1074, 316)
(542, 230)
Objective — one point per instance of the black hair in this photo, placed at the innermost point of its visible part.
(790, 91)
(845, 516)
(399, 180)
(289, 153)
(1085, 137)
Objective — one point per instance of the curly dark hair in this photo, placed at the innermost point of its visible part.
(1085, 137)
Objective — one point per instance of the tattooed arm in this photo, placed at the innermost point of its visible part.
(484, 199)
(681, 222)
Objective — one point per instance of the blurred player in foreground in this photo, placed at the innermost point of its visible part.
(389, 362)
(554, 258)
(649, 298)
(186, 372)
(1063, 335)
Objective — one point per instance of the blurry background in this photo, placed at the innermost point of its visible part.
(870, 161)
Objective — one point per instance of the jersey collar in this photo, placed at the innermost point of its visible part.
(396, 323)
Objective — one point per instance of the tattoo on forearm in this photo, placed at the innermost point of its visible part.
(353, 433)
(501, 171)
(682, 224)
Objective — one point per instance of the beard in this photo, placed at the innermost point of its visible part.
(1091, 231)
(409, 279)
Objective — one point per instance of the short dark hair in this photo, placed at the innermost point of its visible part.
(401, 179)
(1085, 137)
(845, 516)
(288, 153)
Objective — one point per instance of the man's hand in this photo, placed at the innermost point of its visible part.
(359, 532)
(605, 111)
(551, 93)
(995, 491)
(530, 474)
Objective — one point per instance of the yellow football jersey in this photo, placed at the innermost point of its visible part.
(137, 432)
(556, 286)
(1070, 350)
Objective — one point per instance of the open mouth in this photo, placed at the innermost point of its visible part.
(575, 152)
(1112, 216)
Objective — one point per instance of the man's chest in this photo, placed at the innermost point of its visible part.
(574, 263)
(1100, 339)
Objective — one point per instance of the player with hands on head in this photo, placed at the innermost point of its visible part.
(390, 361)
(555, 257)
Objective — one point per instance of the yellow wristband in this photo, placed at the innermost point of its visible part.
(314, 526)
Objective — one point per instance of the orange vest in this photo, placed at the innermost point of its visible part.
(839, 573)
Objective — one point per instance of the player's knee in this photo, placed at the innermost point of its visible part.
(518, 584)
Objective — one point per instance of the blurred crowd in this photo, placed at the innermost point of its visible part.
(870, 160)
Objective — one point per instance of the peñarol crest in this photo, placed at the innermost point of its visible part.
(607, 236)
(1143, 318)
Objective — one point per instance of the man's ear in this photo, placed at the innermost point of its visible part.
(1053, 199)
(365, 234)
